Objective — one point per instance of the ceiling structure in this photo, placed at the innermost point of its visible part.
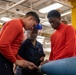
(18, 8)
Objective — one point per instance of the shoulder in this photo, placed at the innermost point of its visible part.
(15, 23)
(26, 41)
(55, 31)
(70, 28)
(38, 43)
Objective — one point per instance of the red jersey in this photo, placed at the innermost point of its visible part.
(63, 43)
(11, 37)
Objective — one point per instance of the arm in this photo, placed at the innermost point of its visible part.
(69, 49)
(7, 37)
(51, 53)
(42, 55)
(42, 51)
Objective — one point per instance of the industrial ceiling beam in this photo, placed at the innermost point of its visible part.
(12, 6)
(39, 2)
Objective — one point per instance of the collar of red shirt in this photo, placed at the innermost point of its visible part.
(22, 22)
(61, 25)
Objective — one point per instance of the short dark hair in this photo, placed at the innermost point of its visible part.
(35, 15)
(54, 13)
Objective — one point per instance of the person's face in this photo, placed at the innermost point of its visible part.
(33, 34)
(55, 22)
(30, 23)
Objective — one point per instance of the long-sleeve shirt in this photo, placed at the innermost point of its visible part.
(63, 42)
(30, 52)
(10, 39)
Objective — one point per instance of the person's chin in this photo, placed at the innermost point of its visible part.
(26, 28)
(53, 27)
(32, 39)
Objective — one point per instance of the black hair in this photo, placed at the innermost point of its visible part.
(35, 15)
(54, 13)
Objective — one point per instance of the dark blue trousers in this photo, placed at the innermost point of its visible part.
(6, 67)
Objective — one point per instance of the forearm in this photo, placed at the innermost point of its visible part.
(18, 57)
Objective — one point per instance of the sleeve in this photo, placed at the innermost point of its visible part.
(7, 37)
(18, 57)
(42, 51)
(41, 54)
(69, 49)
(16, 48)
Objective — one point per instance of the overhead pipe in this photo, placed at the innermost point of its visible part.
(39, 2)
(4, 10)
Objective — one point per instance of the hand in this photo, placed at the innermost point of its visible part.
(25, 64)
(20, 63)
(46, 61)
(30, 65)
(42, 58)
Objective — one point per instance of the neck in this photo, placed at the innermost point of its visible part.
(24, 22)
(33, 42)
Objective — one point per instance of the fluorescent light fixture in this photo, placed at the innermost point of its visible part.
(66, 13)
(50, 7)
(46, 24)
(5, 19)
